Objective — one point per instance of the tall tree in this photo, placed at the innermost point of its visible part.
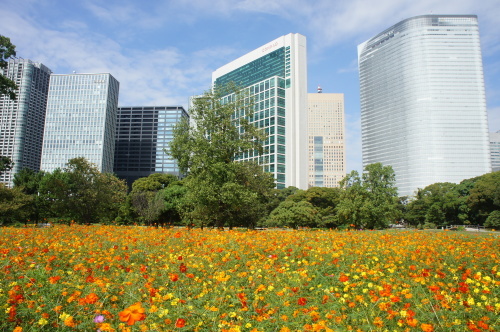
(7, 51)
(217, 187)
(484, 197)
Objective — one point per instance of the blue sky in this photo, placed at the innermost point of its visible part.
(162, 52)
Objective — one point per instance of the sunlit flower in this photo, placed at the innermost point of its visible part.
(133, 314)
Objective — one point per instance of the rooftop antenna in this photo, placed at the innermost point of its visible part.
(320, 90)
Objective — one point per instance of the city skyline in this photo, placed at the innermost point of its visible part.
(162, 61)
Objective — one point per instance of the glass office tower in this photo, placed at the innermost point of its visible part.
(22, 120)
(326, 139)
(423, 105)
(275, 75)
(142, 136)
(80, 120)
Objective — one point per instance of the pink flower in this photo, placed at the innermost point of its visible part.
(99, 319)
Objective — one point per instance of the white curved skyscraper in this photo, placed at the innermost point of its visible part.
(423, 105)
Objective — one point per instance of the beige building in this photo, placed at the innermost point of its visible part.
(326, 139)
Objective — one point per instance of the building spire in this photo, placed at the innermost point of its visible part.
(320, 90)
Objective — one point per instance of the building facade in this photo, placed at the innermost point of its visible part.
(80, 120)
(423, 105)
(142, 137)
(22, 120)
(495, 151)
(275, 75)
(326, 139)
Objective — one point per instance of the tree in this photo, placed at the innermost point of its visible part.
(153, 182)
(484, 197)
(82, 193)
(369, 201)
(12, 205)
(7, 51)
(293, 214)
(493, 220)
(6, 164)
(440, 203)
(219, 189)
(28, 181)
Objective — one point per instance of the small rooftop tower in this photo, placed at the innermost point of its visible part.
(320, 90)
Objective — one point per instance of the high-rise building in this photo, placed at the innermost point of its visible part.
(80, 120)
(142, 136)
(495, 151)
(22, 120)
(275, 75)
(326, 139)
(423, 105)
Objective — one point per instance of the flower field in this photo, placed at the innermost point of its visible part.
(108, 278)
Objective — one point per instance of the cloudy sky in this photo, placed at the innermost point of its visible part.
(164, 51)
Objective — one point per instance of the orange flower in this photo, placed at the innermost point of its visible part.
(18, 329)
(91, 298)
(343, 278)
(54, 280)
(427, 327)
(174, 277)
(133, 314)
(180, 322)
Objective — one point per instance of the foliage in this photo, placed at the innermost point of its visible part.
(153, 182)
(28, 181)
(484, 197)
(369, 201)
(6, 163)
(108, 278)
(7, 51)
(173, 198)
(293, 215)
(441, 203)
(493, 220)
(144, 198)
(12, 205)
(221, 191)
(80, 192)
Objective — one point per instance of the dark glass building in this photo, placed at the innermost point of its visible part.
(142, 135)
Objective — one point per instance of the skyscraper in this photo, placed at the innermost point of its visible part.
(326, 139)
(22, 120)
(80, 120)
(423, 105)
(275, 75)
(495, 151)
(142, 134)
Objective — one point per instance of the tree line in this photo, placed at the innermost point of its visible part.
(220, 190)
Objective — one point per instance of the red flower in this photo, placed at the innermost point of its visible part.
(180, 323)
(343, 278)
(182, 268)
(174, 277)
(301, 301)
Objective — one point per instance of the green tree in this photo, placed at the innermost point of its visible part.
(440, 203)
(153, 182)
(493, 220)
(82, 193)
(293, 214)
(219, 189)
(12, 205)
(7, 51)
(28, 181)
(173, 199)
(6, 164)
(369, 201)
(484, 197)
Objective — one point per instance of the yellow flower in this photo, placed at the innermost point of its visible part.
(42, 321)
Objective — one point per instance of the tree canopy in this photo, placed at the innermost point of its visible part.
(221, 191)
